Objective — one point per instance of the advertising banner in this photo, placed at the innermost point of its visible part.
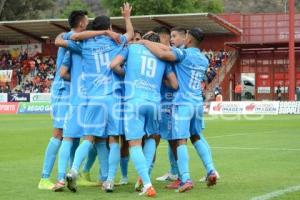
(9, 108)
(34, 108)
(289, 107)
(18, 97)
(244, 108)
(3, 97)
(40, 97)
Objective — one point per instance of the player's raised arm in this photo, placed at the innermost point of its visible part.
(126, 12)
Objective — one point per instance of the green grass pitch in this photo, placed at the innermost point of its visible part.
(253, 157)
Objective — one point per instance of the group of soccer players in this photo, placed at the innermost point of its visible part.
(122, 94)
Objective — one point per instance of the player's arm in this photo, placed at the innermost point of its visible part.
(65, 68)
(116, 64)
(159, 51)
(126, 12)
(171, 81)
(60, 42)
(90, 34)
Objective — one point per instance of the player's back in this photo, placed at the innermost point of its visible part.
(144, 73)
(190, 73)
(97, 54)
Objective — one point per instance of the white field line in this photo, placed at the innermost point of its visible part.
(277, 193)
(244, 148)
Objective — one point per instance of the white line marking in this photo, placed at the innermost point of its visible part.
(256, 148)
(244, 148)
(277, 193)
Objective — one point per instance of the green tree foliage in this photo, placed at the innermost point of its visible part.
(76, 5)
(148, 7)
(23, 9)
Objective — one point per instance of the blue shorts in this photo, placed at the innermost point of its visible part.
(165, 122)
(73, 126)
(140, 118)
(59, 107)
(187, 120)
(102, 117)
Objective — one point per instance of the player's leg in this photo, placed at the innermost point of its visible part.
(49, 159)
(103, 153)
(59, 109)
(93, 127)
(113, 130)
(90, 160)
(180, 132)
(124, 160)
(134, 130)
(165, 130)
(202, 147)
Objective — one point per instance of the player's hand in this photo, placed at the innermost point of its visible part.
(115, 36)
(126, 10)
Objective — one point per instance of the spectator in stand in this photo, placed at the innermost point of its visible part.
(7, 88)
(238, 91)
(278, 93)
(219, 97)
(298, 93)
(1, 89)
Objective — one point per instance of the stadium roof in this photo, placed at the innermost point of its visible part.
(41, 30)
(261, 45)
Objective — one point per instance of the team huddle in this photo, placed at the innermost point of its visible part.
(121, 94)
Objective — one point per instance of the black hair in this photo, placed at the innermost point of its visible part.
(179, 30)
(138, 31)
(197, 34)
(76, 16)
(153, 37)
(162, 30)
(101, 23)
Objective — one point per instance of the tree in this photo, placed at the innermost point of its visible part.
(148, 7)
(76, 5)
(24, 9)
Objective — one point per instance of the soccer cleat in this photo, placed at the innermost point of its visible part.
(45, 184)
(59, 186)
(149, 192)
(203, 179)
(211, 179)
(71, 181)
(138, 185)
(167, 177)
(123, 181)
(174, 184)
(188, 185)
(108, 186)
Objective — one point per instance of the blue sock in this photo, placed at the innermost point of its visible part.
(173, 163)
(81, 153)
(50, 156)
(102, 152)
(75, 145)
(63, 158)
(183, 162)
(140, 163)
(149, 152)
(124, 166)
(203, 151)
(113, 160)
(90, 160)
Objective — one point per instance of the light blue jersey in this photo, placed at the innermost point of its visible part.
(97, 54)
(144, 73)
(60, 91)
(143, 77)
(187, 112)
(101, 84)
(190, 67)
